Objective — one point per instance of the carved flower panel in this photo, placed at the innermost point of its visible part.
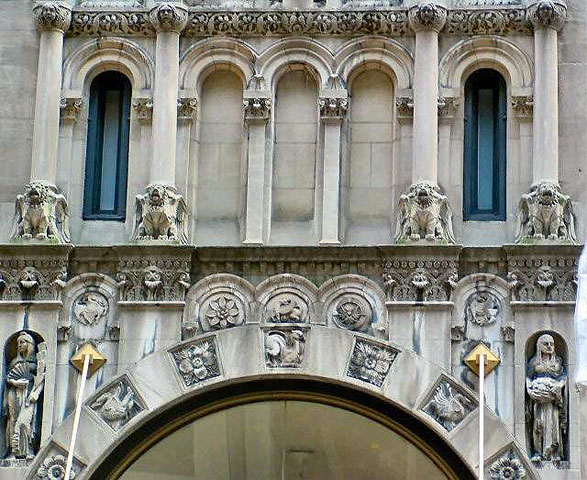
(118, 405)
(448, 405)
(352, 312)
(482, 308)
(222, 310)
(286, 308)
(370, 362)
(197, 361)
(90, 307)
(285, 347)
(507, 466)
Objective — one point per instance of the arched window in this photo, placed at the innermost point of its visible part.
(107, 148)
(485, 146)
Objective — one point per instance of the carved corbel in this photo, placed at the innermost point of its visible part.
(427, 16)
(52, 16)
(169, 17)
(547, 14)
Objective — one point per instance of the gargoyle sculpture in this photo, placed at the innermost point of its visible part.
(424, 213)
(41, 213)
(161, 214)
(546, 213)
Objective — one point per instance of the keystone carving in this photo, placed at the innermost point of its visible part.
(427, 16)
(370, 362)
(548, 14)
(52, 16)
(284, 348)
(448, 406)
(161, 214)
(546, 213)
(168, 17)
(428, 280)
(118, 405)
(41, 213)
(424, 213)
(196, 362)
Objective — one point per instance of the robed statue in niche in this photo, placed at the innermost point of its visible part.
(546, 384)
(25, 378)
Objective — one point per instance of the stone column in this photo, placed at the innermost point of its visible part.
(547, 17)
(423, 212)
(52, 19)
(168, 19)
(333, 107)
(257, 105)
(545, 213)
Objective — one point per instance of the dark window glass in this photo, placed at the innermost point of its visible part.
(485, 146)
(107, 148)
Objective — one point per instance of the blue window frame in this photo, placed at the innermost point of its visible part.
(485, 146)
(107, 148)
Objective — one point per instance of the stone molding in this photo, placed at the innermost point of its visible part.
(548, 14)
(391, 22)
(168, 17)
(427, 16)
(52, 16)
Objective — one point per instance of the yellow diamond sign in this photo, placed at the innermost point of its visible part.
(472, 359)
(96, 359)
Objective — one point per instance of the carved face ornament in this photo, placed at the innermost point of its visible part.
(28, 278)
(420, 279)
(547, 195)
(156, 197)
(545, 278)
(152, 278)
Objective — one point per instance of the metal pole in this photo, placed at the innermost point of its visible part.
(481, 414)
(78, 411)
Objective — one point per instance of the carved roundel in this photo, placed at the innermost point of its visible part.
(222, 310)
(482, 308)
(286, 307)
(90, 307)
(351, 311)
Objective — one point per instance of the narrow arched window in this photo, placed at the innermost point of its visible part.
(485, 146)
(107, 148)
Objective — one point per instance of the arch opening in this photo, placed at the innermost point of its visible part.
(283, 428)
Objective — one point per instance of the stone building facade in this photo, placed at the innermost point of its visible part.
(291, 214)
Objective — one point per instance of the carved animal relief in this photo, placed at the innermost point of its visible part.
(161, 214)
(482, 308)
(197, 362)
(90, 308)
(284, 348)
(448, 406)
(118, 405)
(370, 362)
(41, 213)
(286, 308)
(424, 213)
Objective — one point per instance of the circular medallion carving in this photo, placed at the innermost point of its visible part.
(286, 308)
(90, 308)
(222, 310)
(352, 312)
(482, 308)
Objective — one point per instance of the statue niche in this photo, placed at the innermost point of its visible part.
(22, 403)
(546, 402)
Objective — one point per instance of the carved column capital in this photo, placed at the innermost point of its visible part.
(257, 108)
(333, 108)
(548, 14)
(427, 16)
(186, 108)
(404, 109)
(169, 17)
(447, 107)
(523, 106)
(52, 16)
(70, 108)
(143, 109)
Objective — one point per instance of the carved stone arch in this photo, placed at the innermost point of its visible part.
(103, 54)
(356, 303)
(214, 54)
(212, 370)
(275, 60)
(217, 302)
(375, 52)
(288, 298)
(486, 52)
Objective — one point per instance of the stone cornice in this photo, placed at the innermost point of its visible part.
(391, 22)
